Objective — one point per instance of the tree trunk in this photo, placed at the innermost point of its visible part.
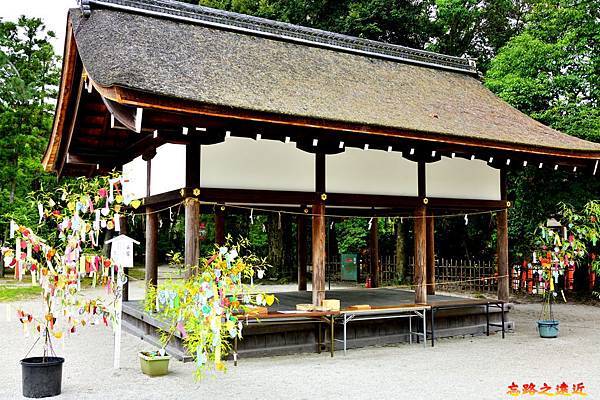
(13, 182)
(276, 246)
(400, 251)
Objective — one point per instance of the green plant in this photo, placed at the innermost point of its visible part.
(205, 308)
(71, 219)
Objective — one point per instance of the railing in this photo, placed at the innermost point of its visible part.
(451, 274)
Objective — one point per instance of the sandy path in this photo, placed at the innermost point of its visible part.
(459, 368)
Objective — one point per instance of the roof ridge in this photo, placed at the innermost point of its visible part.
(283, 31)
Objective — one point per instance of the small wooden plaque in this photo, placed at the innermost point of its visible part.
(360, 307)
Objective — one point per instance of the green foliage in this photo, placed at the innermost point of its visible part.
(551, 71)
(17, 292)
(28, 81)
(206, 308)
(476, 28)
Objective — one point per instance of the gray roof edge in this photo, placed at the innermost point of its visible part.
(283, 31)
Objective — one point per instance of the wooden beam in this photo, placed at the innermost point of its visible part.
(192, 235)
(301, 250)
(192, 166)
(421, 188)
(502, 243)
(320, 173)
(66, 142)
(69, 79)
(420, 273)
(318, 253)
(430, 254)
(151, 247)
(374, 253)
(220, 225)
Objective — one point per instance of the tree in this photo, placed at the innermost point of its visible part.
(476, 28)
(394, 21)
(551, 71)
(28, 82)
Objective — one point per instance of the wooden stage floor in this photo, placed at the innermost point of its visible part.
(349, 297)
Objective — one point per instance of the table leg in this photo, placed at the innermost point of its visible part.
(487, 319)
(410, 330)
(319, 338)
(425, 328)
(332, 343)
(345, 321)
(502, 313)
(432, 327)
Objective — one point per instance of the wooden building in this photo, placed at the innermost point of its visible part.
(210, 107)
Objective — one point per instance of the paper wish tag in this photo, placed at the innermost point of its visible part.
(200, 356)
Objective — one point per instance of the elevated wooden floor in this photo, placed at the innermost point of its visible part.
(296, 338)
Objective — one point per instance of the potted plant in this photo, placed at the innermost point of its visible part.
(206, 308)
(561, 246)
(71, 219)
(547, 325)
(154, 363)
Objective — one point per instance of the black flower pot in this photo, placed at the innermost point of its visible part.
(41, 376)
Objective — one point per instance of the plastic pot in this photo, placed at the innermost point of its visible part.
(154, 365)
(42, 376)
(548, 328)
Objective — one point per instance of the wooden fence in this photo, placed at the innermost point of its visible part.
(451, 274)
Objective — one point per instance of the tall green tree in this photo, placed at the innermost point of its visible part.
(28, 84)
(551, 71)
(476, 28)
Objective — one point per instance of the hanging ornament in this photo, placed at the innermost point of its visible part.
(466, 219)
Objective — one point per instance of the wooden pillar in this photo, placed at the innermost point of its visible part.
(374, 253)
(192, 234)
(420, 272)
(318, 253)
(420, 233)
(151, 247)
(301, 249)
(192, 209)
(502, 249)
(151, 228)
(430, 254)
(220, 225)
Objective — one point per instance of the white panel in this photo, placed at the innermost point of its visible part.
(242, 163)
(167, 170)
(459, 178)
(134, 175)
(371, 172)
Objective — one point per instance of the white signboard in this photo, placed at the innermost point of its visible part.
(121, 251)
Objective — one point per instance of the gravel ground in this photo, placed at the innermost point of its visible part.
(458, 368)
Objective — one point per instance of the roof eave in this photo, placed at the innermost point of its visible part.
(135, 98)
(68, 77)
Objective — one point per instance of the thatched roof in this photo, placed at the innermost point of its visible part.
(210, 56)
(238, 63)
